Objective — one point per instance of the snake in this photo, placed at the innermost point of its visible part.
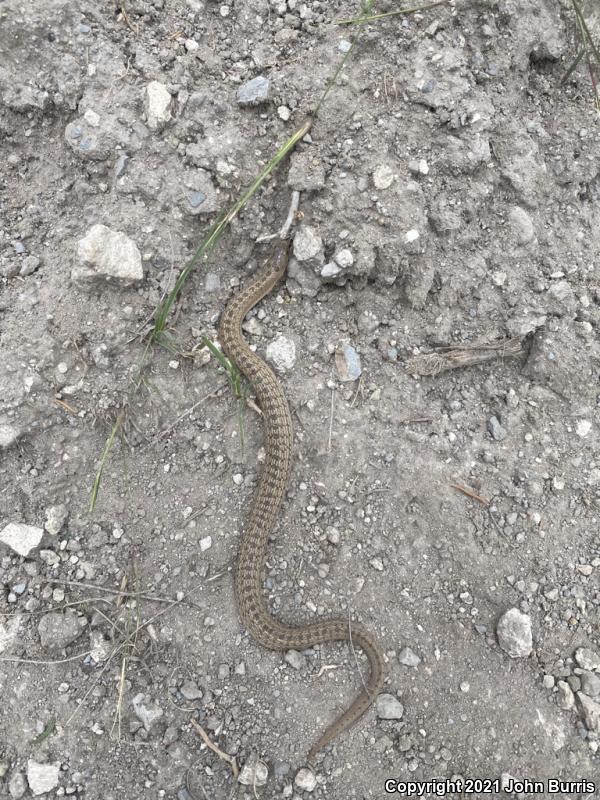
(254, 613)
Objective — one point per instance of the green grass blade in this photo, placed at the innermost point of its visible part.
(218, 228)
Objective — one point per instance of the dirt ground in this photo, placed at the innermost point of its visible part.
(450, 192)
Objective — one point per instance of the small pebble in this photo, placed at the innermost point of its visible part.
(495, 429)
(514, 633)
(388, 707)
(295, 659)
(408, 657)
(383, 177)
(305, 780)
(254, 92)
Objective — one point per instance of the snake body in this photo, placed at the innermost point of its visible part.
(266, 629)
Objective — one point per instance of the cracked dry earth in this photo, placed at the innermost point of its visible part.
(451, 196)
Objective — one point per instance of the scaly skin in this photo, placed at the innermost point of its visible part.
(267, 630)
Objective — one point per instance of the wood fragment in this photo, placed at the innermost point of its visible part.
(470, 493)
(224, 756)
(447, 358)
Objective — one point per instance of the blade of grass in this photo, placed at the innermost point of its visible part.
(218, 228)
(103, 458)
(399, 12)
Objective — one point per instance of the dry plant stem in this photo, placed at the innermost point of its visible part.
(470, 493)
(185, 414)
(16, 660)
(455, 358)
(399, 12)
(224, 756)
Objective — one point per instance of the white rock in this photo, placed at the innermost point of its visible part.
(56, 516)
(21, 538)
(9, 632)
(108, 254)
(157, 105)
(148, 713)
(522, 225)
(205, 544)
(282, 353)
(587, 659)
(42, 778)
(583, 427)
(590, 712)
(8, 436)
(388, 707)
(564, 696)
(514, 633)
(307, 243)
(253, 773)
(383, 177)
(344, 258)
(305, 780)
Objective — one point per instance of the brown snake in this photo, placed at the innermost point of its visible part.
(255, 615)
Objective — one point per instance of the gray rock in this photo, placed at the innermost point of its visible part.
(330, 271)
(282, 353)
(514, 633)
(148, 713)
(21, 538)
(56, 516)
(157, 105)
(496, 430)
(190, 690)
(307, 244)
(408, 657)
(388, 707)
(347, 362)
(253, 773)
(201, 195)
(100, 646)
(58, 629)
(590, 684)
(108, 255)
(305, 780)
(42, 778)
(420, 280)
(9, 435)
(590, 711)
(91, 137)
(383, 177)
(17, 785)
(587, 659)
(564, 696)
(521, 225)
(254, 92)
(295, 659)
(29, 265)
(23, 97)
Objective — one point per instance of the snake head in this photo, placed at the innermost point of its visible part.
(278, 260)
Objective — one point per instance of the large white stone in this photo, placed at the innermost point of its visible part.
(21, 538)
(42, 778)
(110, 255)
(157, 104)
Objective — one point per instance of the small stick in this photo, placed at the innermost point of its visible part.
(331, 421)
(454, 358)
(16, 660)
(186, 413)
(470, 493)
(66, 406)
(285, 228)
(224, 756)
(354, 652)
